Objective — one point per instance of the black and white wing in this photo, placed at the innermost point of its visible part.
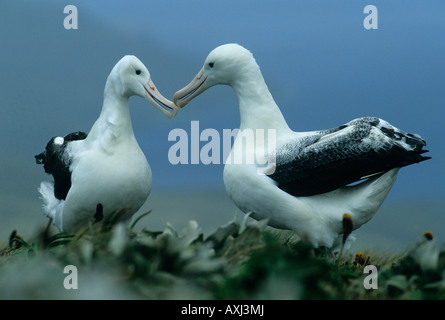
(56, 161)
(326, 160)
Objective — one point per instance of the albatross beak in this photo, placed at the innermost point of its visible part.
(193, 89)
(159, 101)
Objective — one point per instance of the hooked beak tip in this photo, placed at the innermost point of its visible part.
(175, 111)
(178, 104)
(175, 100)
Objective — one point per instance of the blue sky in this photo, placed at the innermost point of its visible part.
(321, 65)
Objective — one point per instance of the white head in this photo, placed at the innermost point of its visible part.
(227, 64)
(130, 77)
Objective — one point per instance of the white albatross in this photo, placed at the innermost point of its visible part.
(105, 169)
(310, 188)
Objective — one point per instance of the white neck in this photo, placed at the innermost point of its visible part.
(114, 123)
(258, 109)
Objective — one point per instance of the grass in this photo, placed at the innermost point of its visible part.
(237, 261)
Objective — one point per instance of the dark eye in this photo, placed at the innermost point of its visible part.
(138, 72)
(211, 64)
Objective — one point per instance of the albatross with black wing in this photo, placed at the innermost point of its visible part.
(106, 167)
(306, 185)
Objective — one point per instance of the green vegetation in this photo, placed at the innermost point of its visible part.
(237, 261)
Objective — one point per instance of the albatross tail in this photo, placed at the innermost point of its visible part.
(50, 202)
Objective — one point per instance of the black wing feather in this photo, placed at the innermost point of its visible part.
(56, 162)
(316, 168)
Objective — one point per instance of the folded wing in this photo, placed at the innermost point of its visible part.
(56, 161)
(323, 161)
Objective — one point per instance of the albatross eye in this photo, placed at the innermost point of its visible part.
(211, 64)
(138, 72)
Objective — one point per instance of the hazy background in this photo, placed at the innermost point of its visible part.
(321, 65)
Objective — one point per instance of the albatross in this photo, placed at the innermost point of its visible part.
(104, 171)
(311, 178)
